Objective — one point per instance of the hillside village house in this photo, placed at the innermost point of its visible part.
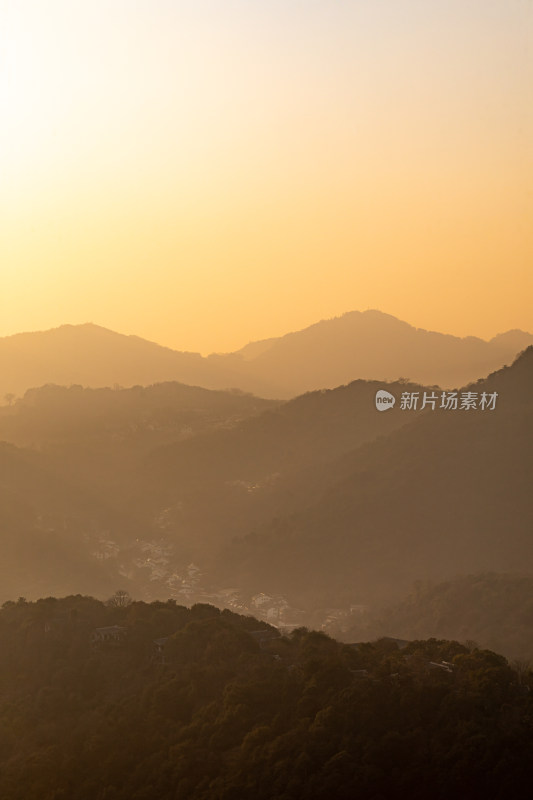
(158, 651)
(112, 635)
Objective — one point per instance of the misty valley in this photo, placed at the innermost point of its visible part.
(311, 511)
(265, 586)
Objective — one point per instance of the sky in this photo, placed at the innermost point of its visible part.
(204, 173)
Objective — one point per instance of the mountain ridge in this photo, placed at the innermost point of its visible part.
(368, 345)
(446, 493)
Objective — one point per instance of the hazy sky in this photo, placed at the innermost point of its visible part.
(207, 172)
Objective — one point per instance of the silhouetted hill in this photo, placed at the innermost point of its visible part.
(184, 467)
(448, 493)
(225, 482)
(373, 346)
(152, 702)
(66, 502)
(168, 466)
(140, 417)
(369, 345)
(511, 340)
(93, 356)
(49, 529)
(492, 609)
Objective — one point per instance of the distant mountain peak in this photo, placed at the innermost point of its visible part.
(514, 335)
(368, 344)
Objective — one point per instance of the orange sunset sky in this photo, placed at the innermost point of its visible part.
(203, 173)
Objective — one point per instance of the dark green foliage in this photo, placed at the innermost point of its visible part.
(225, 719)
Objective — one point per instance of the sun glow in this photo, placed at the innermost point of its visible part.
(229, 163)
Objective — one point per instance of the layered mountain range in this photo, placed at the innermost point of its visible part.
(369, 345)
(321, 499)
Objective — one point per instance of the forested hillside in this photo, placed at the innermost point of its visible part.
(130, 701)
(493, 609)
